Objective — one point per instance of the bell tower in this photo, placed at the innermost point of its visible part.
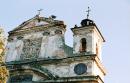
(87, 38)
(87, 42)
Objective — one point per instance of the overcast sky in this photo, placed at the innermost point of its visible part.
(111, 16)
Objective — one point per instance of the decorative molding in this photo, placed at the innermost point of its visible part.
(33, 29)
(33, 25)
(54, 61)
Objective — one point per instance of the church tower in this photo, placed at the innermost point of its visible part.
(87, 42)
(37, 53)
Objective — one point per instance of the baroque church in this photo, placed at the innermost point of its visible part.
(36, 52)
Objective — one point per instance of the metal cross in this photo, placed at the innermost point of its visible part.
(88, 12)
(39, 11)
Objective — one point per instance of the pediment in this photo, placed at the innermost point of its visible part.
(34, 22)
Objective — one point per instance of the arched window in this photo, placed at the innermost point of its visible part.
(83, 44)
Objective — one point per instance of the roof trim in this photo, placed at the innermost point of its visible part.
(95, 28)
(49, 20)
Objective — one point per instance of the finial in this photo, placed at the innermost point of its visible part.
(39, 11)
(88, 12)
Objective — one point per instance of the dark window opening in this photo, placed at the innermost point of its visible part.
(21, 79)
(83, 45)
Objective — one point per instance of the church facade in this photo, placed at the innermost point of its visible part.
(37, 53)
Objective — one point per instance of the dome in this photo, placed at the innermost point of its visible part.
(87, 22)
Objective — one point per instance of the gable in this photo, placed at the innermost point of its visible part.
(36, 21)
(36, 24)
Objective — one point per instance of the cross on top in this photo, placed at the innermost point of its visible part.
(39, 11)
(88, 12)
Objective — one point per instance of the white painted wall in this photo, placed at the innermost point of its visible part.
(78, 35)
(97, 71)
(98, 40)
(13, 50)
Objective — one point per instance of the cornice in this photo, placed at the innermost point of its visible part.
(74, 79)
(53, 61)
(33, 29)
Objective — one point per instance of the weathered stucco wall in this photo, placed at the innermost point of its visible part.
(67, 69)
(83, 33)
(45, 44)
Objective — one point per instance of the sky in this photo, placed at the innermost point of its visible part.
(111, 16)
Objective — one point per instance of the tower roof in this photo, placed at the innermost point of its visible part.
(87, 22)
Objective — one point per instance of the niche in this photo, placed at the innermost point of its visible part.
(46, 33)
(58, 32)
